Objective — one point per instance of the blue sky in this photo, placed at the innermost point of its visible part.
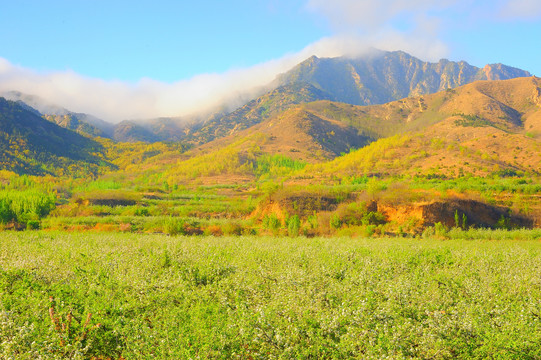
(175, 57)
(163, 40)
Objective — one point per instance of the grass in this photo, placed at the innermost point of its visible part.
(163, 297)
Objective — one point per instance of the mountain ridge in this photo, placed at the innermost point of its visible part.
(33, 145)
(390, 76)
(375, 79)
(309, 81)
(81, 123)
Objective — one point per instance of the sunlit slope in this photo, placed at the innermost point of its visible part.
(289, 140)
(479, 128)
(370, 79)
(300, 134)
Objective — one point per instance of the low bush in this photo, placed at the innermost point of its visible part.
(232, 228)
(213, 230)
(272, 222)
(174, 226)
(293, 226)
(25, 206)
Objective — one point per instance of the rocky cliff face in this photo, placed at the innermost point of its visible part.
(387, 76)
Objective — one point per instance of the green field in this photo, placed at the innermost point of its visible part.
(177, 297)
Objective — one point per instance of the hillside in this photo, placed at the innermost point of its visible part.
(480, 128)
(32, 145)
(129, 131)
(79, 122)
(403, 166)
(376, 79)
(254, 112)
(298, 134)
(474, 129)
(373, 79)
(285, 142)
(168, 129)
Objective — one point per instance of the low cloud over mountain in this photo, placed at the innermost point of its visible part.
(355, 26)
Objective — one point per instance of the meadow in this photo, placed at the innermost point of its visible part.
(475, 294)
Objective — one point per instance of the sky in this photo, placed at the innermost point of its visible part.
(120, 59)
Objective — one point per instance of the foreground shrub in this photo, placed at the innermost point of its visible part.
(25, 206)
(272, 222)
(174, 226)
(178, 226)
(293, 226)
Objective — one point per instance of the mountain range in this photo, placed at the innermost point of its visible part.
(386, 76)
(480, 128)
(372, 79)
(376, 79)
(319, 110)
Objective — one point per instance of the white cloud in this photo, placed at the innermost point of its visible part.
(115, 100)
(521, 9)
(417, 26)
(375, 22)
(370, 15)
(359, 26)
(147, 98)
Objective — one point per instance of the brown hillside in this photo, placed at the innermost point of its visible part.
(294, 133)
(479, 128)
(300, 135)
(508, 103)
